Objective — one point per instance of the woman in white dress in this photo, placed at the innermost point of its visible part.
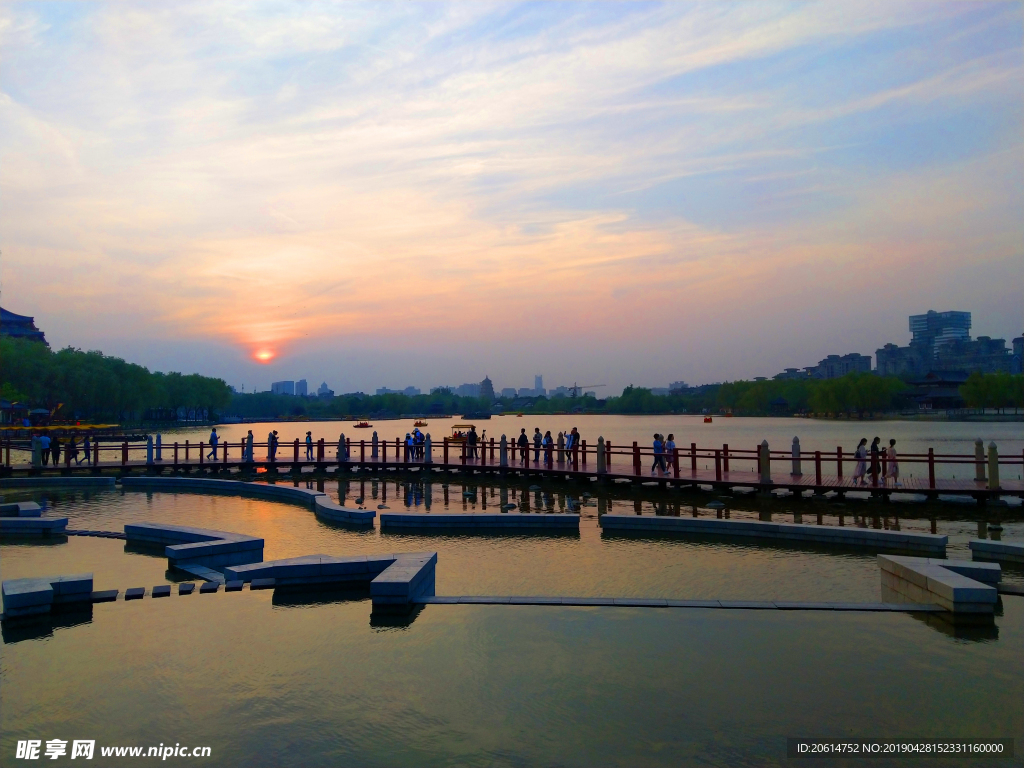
(861, 455)
(894, 466)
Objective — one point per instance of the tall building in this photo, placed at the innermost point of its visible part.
(301, 388)
(934, 329)
(324, 391)
(941, 341)
(283, 387)
(20, 327)
(468, 390)
(834, 366)
(1017, 364)
(487, 389)
(408, 391)
(538, 382)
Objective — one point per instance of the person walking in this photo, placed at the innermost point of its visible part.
(659, 455)
(248, 448)
(894, 464)
(670, 449)
(524, 447)
(548, 444)
(860, 455)
(55, 450)
(471, 440)
(213, 445)
(44, 447)
(309, 446)
(272, 446)
(72, 450)
(876, 465)
(538, 438)
(87, 449)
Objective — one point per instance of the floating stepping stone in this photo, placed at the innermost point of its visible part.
(208, 586)
(104, 596)
(359, 500)
(262, 584)
(187, 588)
(715, 505)
(383, 506)
(164, 590)
(234, 586)
(508, 506)
(135, 593)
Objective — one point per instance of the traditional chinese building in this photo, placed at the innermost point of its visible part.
(20, 327)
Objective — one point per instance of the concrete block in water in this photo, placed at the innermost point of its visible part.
(163, 590)
(135, 593)
(997, 551)
(957, 586)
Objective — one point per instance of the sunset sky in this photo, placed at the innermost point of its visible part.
(386, 194)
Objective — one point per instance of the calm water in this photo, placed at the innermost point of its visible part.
(308, 680)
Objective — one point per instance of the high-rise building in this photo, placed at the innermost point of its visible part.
(487, 389)
(941, 341)
(324, 391)
(538, 382)
(301, 388)
(283, 387)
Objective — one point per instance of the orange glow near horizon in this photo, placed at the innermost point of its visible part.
(263, 355)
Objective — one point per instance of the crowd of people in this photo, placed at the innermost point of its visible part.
(884, 463)
(46, 449)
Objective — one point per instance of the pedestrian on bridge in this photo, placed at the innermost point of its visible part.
(524, 447)
(548, 444)
(894, 465)
(659, 456)
(537, 440)
(309, 446)
(55, 451)
(213, 445)
(86, 449)
(44, 445)
(72, 450)
(861, 455)
(248, 447)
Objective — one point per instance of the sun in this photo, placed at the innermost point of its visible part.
(264, 355)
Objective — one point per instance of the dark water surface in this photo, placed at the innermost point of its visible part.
(311, 679)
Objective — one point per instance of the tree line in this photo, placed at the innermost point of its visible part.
(91, 385)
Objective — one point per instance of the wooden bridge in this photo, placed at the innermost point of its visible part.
(983, 476)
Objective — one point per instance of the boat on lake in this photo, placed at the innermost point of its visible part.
(363, 425)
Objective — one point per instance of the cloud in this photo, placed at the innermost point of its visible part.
(398, 173)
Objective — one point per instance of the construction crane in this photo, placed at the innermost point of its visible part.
(574, 390)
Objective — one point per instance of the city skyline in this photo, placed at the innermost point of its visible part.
(615, 193)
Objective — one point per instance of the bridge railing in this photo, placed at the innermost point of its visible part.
(728, 462)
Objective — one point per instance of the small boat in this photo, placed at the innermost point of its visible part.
(363, 425)
(419, 423)
(707, 419)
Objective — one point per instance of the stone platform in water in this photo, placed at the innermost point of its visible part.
(868, 538)
(25, 518)
(28, 597)
(315, 500)
(59, 481)
(997, 551)
(960, 586)
(480, 520)
(185, 545)
(394, 580)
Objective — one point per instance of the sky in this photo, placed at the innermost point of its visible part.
(392, 194)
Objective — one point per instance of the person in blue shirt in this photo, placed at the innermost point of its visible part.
(213, 445)
(309, 446)
(659, 455)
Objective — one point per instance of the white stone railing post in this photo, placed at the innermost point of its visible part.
(159, 447)
(602, 465)
(149, 449)
(373, 443)
(766, 467)
(993, 467)
(979, 461)
(428, 451)
(504, 451)
(796, 456)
